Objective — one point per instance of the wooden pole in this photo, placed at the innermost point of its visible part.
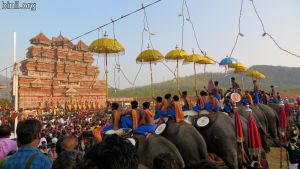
(151, 79)
(177, 76)
(195, 80)
(106, 75)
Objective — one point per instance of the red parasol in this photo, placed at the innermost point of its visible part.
(254, 141)
(238, 128)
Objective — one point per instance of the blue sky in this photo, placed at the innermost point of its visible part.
(215, 22)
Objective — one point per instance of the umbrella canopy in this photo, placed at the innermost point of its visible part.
(207, 61)
(176, 54)
(106, 46)
(235, 65)
(194, 58)
(149, 55)
(255, 74)
(254, 140)
(240, 69)
(227, 61)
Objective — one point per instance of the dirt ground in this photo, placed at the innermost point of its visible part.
(274, 158)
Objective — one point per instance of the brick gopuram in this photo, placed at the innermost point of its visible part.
(58, 74)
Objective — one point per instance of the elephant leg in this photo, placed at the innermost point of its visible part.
(228, 154)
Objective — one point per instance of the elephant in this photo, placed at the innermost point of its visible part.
(272, 118)
(188, 140)
(151, 146)
(220, 138)
(260, 120)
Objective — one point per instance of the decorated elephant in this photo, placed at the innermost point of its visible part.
(272, 118)
(260, 120)
(151, 146)
(188, 140)
(220, 137)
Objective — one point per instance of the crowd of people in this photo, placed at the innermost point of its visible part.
(74, 140)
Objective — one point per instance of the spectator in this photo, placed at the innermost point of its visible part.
(66, 143)
(114, 152)
(165, 161)
(68, 160)
(54, 139)
(6, 145)
(28, 156)
(52, 152)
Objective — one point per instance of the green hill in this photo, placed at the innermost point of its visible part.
(284, 78)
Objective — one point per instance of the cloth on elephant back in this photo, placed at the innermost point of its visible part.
(238, 128)
(287, 109)
(254, 140)
(282, 121)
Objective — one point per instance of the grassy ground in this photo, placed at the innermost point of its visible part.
(274, 158)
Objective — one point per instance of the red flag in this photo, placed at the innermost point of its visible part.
(287, 109)
(238, 128)
(254, 140)
(282, 121)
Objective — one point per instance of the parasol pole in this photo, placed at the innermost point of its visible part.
(243, 82)
(106, 74)
(177, 79)
(204, 75)
(151, 78)
(195, 83)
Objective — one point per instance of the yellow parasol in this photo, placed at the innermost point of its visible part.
(106, 46)
(176, 54)
(255, 74)
(235, 65)
(194, 58)
(241, 69)
(149, 56)
(206, 61)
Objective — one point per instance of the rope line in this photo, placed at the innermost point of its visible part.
(239, 27)
(121, 17)
(268, 34)
(182, 26)
(148, 28)
(194, 31)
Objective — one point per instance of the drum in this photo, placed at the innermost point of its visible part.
(132, 141)
(160, 128)
(202, 122)
(190, 113)
(203, 112)
(119, 132)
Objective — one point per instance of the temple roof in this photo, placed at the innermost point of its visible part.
(40, 39)
(62, 41)
(81, 46)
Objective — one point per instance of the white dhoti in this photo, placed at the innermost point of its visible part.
(293, 166)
